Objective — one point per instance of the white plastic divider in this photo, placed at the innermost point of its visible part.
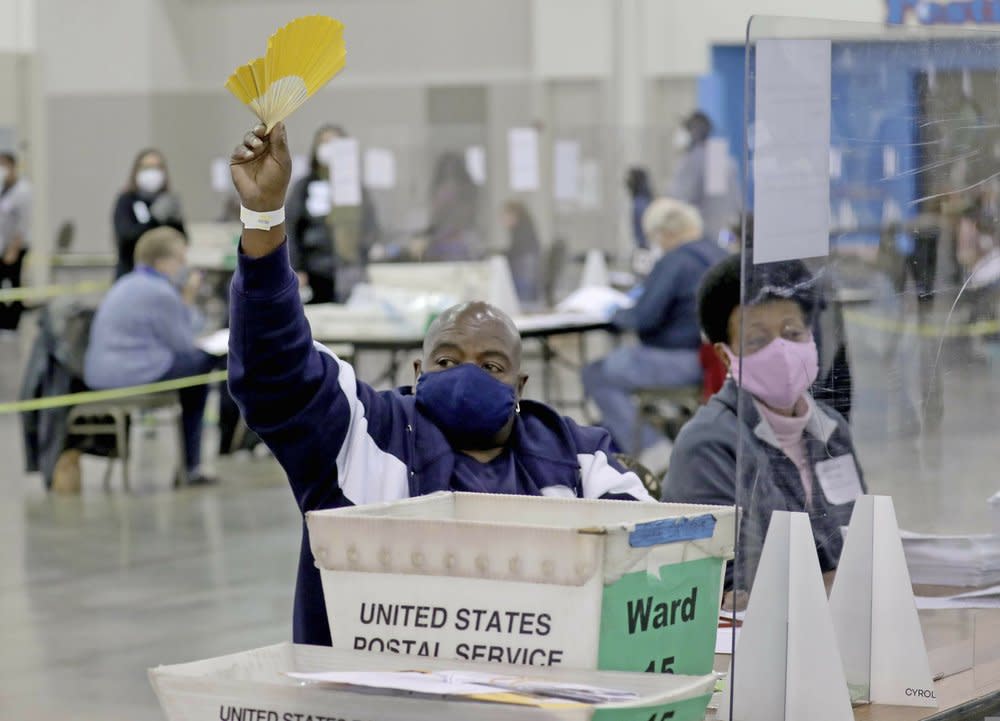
(787, 665)
(875, 616)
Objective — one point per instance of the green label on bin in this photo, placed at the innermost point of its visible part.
(662, 625)
(692, 709)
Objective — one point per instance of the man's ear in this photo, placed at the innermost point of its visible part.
(416, 370)
(522, 380)
(720, 351)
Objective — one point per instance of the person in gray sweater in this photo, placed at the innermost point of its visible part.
(762, 442)
(145, 331)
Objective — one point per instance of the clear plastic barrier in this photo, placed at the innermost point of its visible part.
(860, 326)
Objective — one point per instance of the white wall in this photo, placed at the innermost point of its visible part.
(572, 38)
(132, 73)
(680, 33)
(17, 26)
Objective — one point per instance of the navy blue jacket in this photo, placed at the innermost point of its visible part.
(342, 443)
(666, 314)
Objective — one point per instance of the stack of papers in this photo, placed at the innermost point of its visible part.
(984, 598)
(939, 560)
(471, 685)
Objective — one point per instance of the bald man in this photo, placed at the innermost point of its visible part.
(464, 427)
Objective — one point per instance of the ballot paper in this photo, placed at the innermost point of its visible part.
(522, 149)
(346, 171)
(965, 561)
(595, 301)
(980, 598)
(475, 163)
(380, 169)
(471, 685)
(216, 343)
(791, 149)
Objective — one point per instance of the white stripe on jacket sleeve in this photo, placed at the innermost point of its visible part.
(600, 478)
(366, 473)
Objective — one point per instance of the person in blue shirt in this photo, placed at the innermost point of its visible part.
(464, 427)
(145, 329)
(665, 319)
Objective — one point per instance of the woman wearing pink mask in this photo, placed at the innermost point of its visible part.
(796, 453)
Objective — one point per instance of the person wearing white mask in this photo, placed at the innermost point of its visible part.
(795, 453)
(144, 204)
(15, 220)
(719, 203)
(328, 240)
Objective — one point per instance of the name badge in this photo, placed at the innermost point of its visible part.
(838, 477)
(141, 211)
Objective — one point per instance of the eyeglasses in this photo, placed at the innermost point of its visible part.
(756, 339)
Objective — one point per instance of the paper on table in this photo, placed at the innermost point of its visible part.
(567, 169)
(980, 598)
(470, 684)
(791, 149)
(968, 561)
(380, 168)
(547, 321)
(475, 163)
(216, 343)
(411, 681)
(346, 179)
(927, 603)
(522, 155)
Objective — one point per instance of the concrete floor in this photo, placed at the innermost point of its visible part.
(96, 589)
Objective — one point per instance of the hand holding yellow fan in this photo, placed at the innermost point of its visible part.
(301, 58)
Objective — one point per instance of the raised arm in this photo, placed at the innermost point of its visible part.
(320, 422)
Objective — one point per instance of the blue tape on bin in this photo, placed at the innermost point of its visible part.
(671, 530)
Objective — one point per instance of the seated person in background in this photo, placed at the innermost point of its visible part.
(144, 331)
(665, 319)
(463, 428)
(796, 453)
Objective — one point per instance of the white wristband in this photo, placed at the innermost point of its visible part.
(252, 220)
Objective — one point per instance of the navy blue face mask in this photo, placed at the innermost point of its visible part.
(468, 404)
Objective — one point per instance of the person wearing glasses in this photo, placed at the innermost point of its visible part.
(795, 453)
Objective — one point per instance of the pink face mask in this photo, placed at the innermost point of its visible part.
(779, 373)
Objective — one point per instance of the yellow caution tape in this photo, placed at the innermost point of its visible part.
(926, 330)
(44, 292)
(113, 394)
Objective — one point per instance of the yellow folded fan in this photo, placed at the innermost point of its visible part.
(301, 58)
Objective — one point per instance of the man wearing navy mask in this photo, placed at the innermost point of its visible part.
(464, 427)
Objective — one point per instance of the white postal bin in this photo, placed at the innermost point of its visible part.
(252, 686)
(520, 580)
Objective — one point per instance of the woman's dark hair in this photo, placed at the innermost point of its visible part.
(720, 291)
(131, 186)
(9, 157)
(322, 130)
(699, 125)
(637, 182)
